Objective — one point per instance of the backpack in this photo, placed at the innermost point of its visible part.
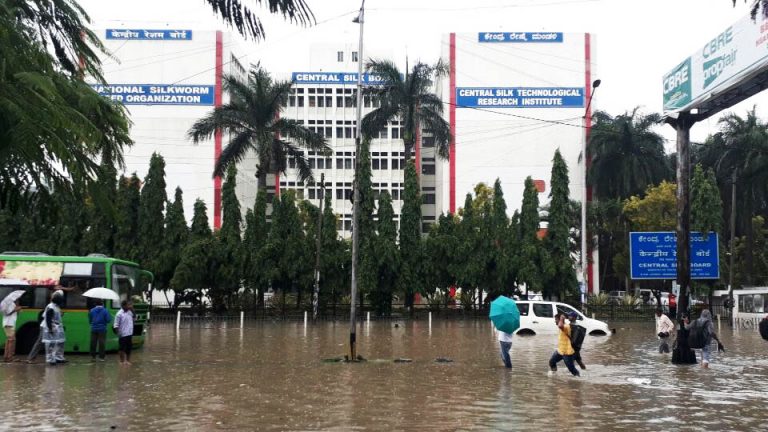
(764, 328)
(698, 335)
(578, 333)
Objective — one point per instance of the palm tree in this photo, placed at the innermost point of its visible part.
(53, 126)
(252, 119)
(741, 148)
(410, 98)
(626, 155)
(248, 24)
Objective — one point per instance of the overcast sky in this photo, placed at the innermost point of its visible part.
(638, 41)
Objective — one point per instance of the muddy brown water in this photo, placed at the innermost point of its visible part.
(271, 376)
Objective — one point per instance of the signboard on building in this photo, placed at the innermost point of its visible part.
(145, 34)
(158, 94)
(335, 78)
(520, 37)
(719, 74)
(519, 97)
(653, 255)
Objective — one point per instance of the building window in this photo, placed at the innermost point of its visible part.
(354, 56)
(428, 169)
(428, 198)
(340, 56)
(427, 142)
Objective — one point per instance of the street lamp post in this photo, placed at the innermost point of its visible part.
(587, 122)
(356, 194)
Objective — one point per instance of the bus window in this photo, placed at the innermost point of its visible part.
(124, 281)
(36, 297)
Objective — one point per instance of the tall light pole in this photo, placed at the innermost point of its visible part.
(356, 193)
(587, 123)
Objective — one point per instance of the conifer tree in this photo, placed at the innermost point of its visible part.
(101, 213)
(176, 238)
(533, 266)
(409, 281)
(127, 218)
(336, 260)
(151, 217)
(367, 231)
(229, 273)
(254, 240)
(387, 257)
(563, 281)
(201, 228)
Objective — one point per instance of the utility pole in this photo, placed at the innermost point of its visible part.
(682, 124)
(356, 194)
(316, 294)
(587, 119)
(732, 259)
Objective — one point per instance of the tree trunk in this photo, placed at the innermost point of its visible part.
(749, 258)
(262, 178)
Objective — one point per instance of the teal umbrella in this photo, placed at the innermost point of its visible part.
(505, 315)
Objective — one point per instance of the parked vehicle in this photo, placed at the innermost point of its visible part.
(668, 300)
(538, 317)
(616, 296)
(647, 297)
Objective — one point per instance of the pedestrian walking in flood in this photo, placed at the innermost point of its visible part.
(52, 328)
(578, 333)
(701, 334)
(99, 319)
(664, 328)
(10, 313)
(564, 349)
(124, 329)
(505, 343)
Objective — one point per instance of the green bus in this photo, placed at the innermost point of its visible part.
(39, 275)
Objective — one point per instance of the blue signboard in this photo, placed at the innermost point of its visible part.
(520, 97)
(158, 94)
(520, 37)
(334, 78)
(653, 255)
(146, 34)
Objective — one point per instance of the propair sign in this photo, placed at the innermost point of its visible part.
(653, 255)
(520, 97)
(721, 72)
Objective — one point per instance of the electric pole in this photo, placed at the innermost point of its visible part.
(316, 294)
(356, 194)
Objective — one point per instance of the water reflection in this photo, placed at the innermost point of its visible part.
(270, 376)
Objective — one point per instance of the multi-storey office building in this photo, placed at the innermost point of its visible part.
(167, 80)
(324, 98)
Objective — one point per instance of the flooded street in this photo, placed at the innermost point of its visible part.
(271, 376)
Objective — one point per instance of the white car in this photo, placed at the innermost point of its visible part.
(538, 317)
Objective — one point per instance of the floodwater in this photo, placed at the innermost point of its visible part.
(271, 376)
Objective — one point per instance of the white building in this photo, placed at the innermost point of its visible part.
(512, 100)
(324, 98)
(167, 79)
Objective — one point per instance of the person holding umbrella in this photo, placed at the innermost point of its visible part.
(506, 318)
(10, 308)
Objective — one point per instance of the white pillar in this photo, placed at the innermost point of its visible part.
(178, 320)
(242, 318)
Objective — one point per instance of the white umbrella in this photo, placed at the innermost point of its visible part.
(10, 299)
(102, 293)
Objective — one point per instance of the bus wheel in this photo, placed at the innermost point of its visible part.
(26, 337)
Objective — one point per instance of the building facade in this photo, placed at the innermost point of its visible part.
(513, 99)
(168, 79)
(324, 99)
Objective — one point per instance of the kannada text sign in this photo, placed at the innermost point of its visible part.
(653, 255)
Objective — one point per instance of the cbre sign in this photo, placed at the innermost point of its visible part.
(720, 70)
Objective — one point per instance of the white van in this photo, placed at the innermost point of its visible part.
(538, 317)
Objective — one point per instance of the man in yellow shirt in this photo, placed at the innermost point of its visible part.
(564, 350)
